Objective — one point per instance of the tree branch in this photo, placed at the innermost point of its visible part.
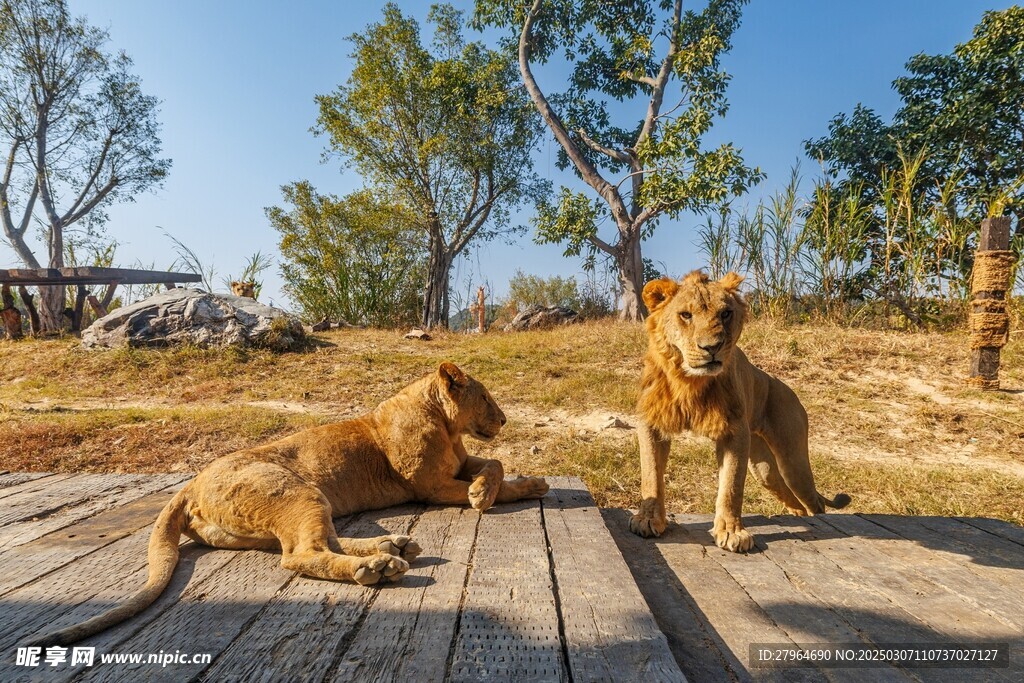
(658, 87)
(618, 155)
(587, 170)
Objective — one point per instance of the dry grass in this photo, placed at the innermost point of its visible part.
(892, 424)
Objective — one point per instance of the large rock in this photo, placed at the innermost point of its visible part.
(536, 317)
(192, 316)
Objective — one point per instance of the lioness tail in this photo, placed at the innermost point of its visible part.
(840, 501)
(163, 558)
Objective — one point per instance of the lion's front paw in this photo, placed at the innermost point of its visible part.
(531, 487)
(733, 537)
(646, 524)
(381, 566)
(483, 491)
(400, 546)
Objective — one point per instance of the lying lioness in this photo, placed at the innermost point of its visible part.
(695, 379)
(282, 496)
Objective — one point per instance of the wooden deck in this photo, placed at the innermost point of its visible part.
(535, 591)
(838, 578)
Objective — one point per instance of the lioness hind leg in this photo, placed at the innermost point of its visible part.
(310, 545)
(764, 468)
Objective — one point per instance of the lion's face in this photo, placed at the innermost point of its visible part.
(247, 289)
(699, 318)
(473, 411)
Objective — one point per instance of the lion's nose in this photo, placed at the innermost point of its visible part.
(711, 349)
(503, 420)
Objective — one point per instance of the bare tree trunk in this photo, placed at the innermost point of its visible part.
(52, 302)
(631, 272)
(435, 294)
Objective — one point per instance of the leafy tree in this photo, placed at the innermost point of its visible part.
(357, 259)
(449, 132)
(80, 133)
(530, 290)
(963, 111)
(633, 51)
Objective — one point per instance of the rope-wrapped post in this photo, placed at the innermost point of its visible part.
(990, 319)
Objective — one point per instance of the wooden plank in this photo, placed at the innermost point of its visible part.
(410, 628)
(124, 491)
(208, 616)
(32, 560)
(35, 606)
(33, 484)
(943, 610)
(735, 620)
(304, 629)
(1010, 532)
(58, 492)
(984, 548)
(688, 633)
(803, 617)
(850, 595)
(29, 277)
(509, 625)
(610, 633)
(940, 559)
(8, 478)
(197, 564)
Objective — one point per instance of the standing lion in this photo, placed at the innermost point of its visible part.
(696, 379)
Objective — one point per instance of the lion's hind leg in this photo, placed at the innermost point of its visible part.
(310, 545)
(301, 521)
(765, 469)
(790, 451)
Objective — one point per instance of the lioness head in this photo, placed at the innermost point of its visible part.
(699, 318)
(471, 408)
(244, 288)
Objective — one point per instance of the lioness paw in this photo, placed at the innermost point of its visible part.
(736, 540)
(374, 568)
(483, 491)
(400, 546)
(647, 525)
(531, 487)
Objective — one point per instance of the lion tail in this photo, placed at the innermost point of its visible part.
(163, 558)
(840, 501)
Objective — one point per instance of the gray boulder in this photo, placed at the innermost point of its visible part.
(192, 316)
(536, 317)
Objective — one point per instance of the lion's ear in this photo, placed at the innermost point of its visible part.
(657, 292)
(454, 379)
(731, 281)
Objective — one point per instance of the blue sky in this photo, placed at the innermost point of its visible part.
(237, 81)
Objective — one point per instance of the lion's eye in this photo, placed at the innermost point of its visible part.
(726, 314)
(685, 315)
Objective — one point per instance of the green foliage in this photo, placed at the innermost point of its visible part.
(356, 259)
(963, 111)
(664, 61)
(590, 298)
(532, 290)
(449, 132)
(820, 248)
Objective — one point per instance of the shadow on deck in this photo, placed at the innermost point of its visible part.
(840, 579)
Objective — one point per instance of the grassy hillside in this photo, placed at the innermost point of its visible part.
(891, 422)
